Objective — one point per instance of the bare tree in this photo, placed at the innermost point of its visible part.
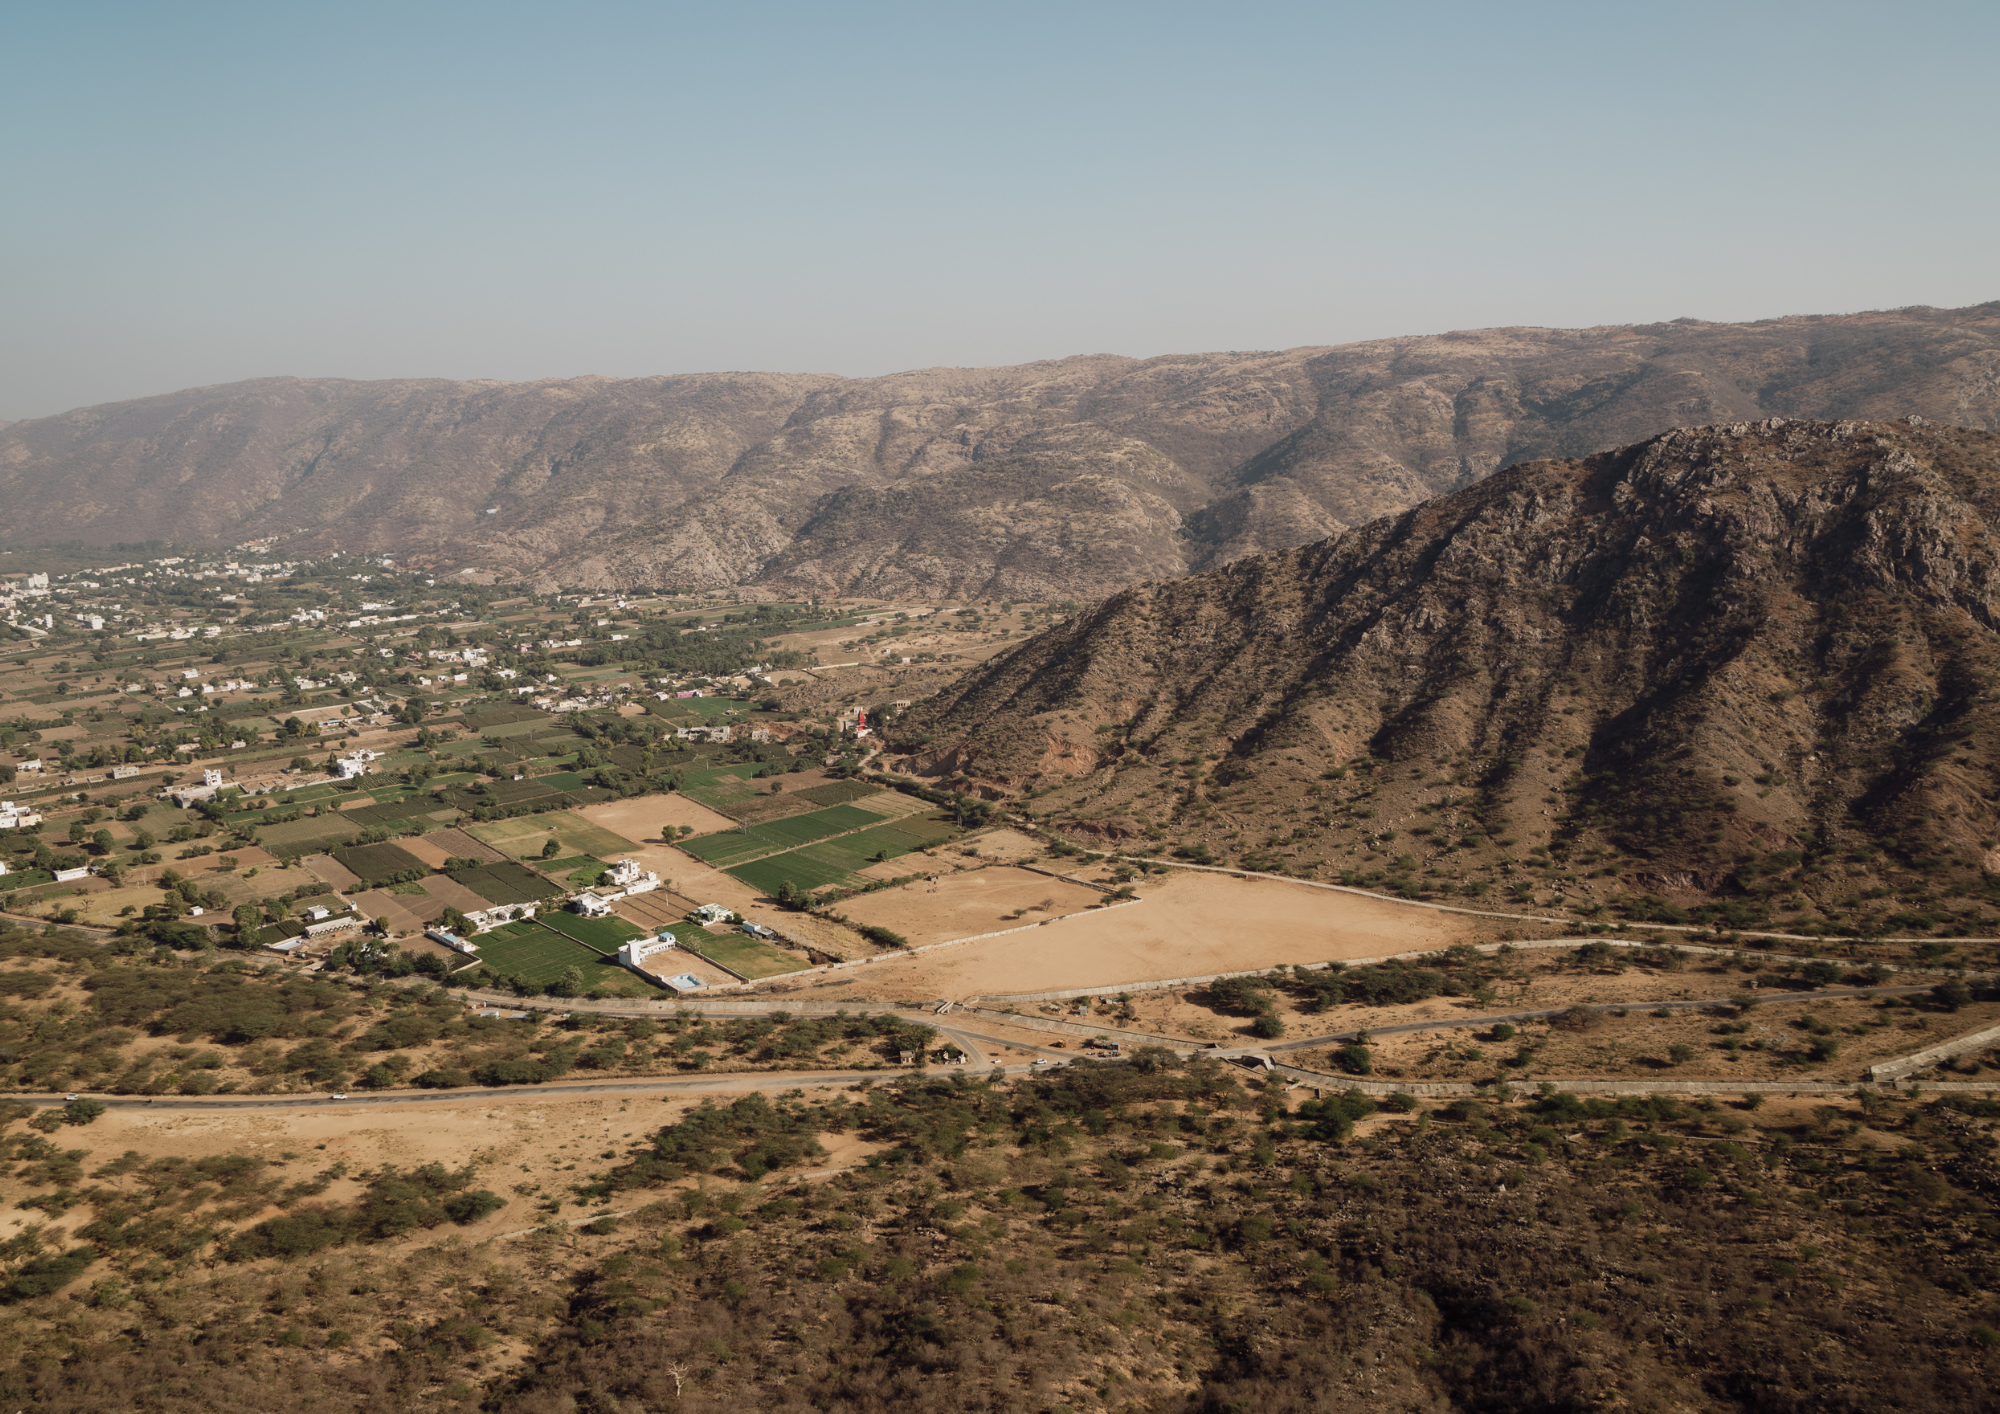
(679, 1372)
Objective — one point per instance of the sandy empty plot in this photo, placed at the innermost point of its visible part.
(657, 909)
(439, 845)
(406, 913)
(329, 870)
(528, 1136)
(1190, 925)
(1009, 845)
(447, 890)
(641, 817)
(960, 905)
(101, 906)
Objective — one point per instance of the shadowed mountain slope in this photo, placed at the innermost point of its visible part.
(1750, 667)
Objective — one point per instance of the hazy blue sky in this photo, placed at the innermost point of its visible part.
(193, 193)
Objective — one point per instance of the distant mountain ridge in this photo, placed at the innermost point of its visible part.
(1067, 478)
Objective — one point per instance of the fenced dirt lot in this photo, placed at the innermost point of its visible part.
(640, 818)
(523, 836)
(654, 910)
(447, 890)
(406, 913)
(328, 870)
(960, 905)
(1189, 925)
(439, 845)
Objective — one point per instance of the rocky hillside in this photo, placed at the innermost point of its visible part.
(1070, 478)
(1748, 671)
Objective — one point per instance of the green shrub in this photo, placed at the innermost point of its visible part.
(47, 1274)
(1355, 1060)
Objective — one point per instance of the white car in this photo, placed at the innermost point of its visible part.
(72, 1097)
(337, 1097)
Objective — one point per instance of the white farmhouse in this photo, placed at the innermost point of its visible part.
(629, 876)
(635, 953)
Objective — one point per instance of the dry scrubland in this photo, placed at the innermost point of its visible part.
(1107, 1237)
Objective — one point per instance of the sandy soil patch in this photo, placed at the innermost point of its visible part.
(658, 909)
(329, 870)
(640, 818)
(406, 913)
(449, 891)
(824, 936)
(439, 845)
(102, 906)
(1188, 925)
(541, 1144)
(680, 960)
(945, 904)
(1008, 846)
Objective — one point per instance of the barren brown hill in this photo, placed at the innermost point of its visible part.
(1749, 670)
(1066, 478)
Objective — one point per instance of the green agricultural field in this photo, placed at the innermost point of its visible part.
(741, 954)
(837, 792)
(795, 869)
(309, 795)
(602, 934)
(505, 714)
(889, 841)
(426, 807)
(506, 883)
(716, 787)
(729, 847)
(539, 956)
(580, 870)
(378, 864)
(309, 836)
(820, 824)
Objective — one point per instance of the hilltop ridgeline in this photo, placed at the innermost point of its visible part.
(1746, 672)
(1069, 478)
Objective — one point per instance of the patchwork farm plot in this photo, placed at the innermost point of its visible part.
(539, 956)
(379, 864)
(835, 861)
(600, 935)
(721, 786)
(802, 873)
(524, 836)
(506, 883)
(884, 842)
(775, 836)
(313, 835)
(580, 871)
(745, 956)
